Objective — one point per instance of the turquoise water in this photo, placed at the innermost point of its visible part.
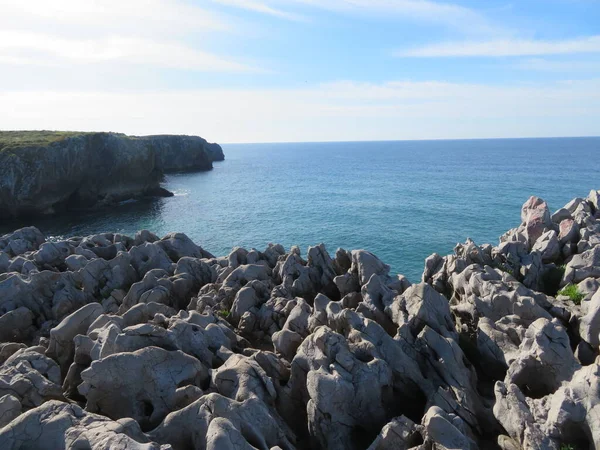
(400, 200)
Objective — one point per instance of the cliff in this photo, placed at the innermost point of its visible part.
(136, 341)
(49, 172)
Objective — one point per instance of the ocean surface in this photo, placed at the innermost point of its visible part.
(401, 200)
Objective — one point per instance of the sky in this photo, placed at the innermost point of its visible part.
(302, 70)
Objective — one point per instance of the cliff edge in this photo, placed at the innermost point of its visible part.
(49, 172)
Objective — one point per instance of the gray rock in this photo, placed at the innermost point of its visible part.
(143, 236)
(21, 241)
(594, 200)
(242, 378)
(365, 264)
(589, 326)
(535, 217)
(585, 265)
(7, 349)
(10, 409)
(548, 245)
(62, 426)
(61, 346)
(569, 232)
(545, 359)
(399, 434)
(242, 423)
(147, 256)
(16, 325)
(142, 385)
(445, 431)
(26, 383)
(560, 215)
(178, 245)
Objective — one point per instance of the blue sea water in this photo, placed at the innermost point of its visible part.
(401, 200)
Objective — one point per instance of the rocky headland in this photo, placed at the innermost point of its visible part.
(45, 173)
(141, 342)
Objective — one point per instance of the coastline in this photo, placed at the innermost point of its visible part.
(46, 173)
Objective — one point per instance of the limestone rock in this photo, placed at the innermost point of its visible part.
(365, 264)
(545, 359)
(536, 219)
(142, 385)
(58, 425)
(61, 346)
(243, 424)
(10, 408)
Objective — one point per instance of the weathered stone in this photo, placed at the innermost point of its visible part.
(142, 385)
(62, 426)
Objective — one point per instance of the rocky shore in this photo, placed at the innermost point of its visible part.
(44, 173)
(112, 341)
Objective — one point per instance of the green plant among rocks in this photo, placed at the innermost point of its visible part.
(571, 291)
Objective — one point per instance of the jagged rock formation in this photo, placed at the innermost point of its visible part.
(85, 170)
(112, 341)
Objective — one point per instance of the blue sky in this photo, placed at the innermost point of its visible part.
(302, 70)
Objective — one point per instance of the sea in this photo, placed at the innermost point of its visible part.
(402, 200)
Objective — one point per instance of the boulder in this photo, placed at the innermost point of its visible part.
(535, 217)
(10, 409)
(62, 347)
(247, 424)
(178, 245)
(21, 241)
(142, 385)
(545, 360)
(585, 265)
(365, 264)
(62, 426)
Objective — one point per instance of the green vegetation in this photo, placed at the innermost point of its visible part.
(15, 139)
(225, 313)
(571, 291)
(567, 447)
(506, 268)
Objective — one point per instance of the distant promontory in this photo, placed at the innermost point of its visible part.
(48, 172)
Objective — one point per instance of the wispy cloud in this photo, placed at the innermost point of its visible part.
(466, 19)
(261, 7)
(510, 47)
(571, 66)
(132, 16)
(26, 48)
(153, 33)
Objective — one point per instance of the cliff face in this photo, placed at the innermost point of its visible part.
(183, 153)
(92, 169)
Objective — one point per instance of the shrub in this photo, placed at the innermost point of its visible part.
(225, 313)
(571, 291)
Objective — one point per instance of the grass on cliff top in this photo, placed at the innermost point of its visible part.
(15, 139)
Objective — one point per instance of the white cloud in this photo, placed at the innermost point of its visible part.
(335, 111)
(429, 11)
(132, 16)
(260, 7)
(47, 50)
(546, 65)
(153, 33)
(509, 47)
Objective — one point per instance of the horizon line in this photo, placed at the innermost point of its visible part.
(411, 140)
